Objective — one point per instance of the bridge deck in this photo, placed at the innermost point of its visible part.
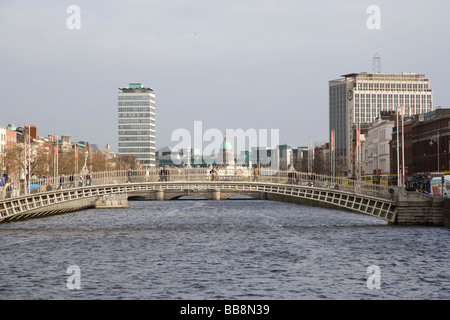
(57, 201)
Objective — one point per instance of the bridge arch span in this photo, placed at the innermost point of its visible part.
(80, 198)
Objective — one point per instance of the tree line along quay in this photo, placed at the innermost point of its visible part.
(25, 157)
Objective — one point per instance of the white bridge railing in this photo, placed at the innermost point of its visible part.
(52, 196)
(62, 182)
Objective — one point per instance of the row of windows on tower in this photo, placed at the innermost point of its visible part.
(392, 86)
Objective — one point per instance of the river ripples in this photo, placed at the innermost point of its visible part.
(237, 249)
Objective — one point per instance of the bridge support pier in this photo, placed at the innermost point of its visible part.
(160, 195)
(112, 201)
(216, 194)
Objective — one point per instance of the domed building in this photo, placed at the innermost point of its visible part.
(226, 155)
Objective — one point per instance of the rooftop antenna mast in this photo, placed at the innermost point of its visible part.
(376, 67)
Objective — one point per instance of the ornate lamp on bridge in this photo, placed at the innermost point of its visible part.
(85, 169)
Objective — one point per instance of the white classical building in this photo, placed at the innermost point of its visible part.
(377, 147)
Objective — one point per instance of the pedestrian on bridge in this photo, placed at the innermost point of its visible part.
(293, 177)
(164, 173)
(61, 182)
(213, 174)
(80, 181)
(88, 179)
(217, 174)
(3, 179)
(129, 173)
(161, 174)
(255, 174)
(167, 173)
(71, 179)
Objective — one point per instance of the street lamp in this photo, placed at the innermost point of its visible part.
(85, 170)
(400, 174)
(433, 140)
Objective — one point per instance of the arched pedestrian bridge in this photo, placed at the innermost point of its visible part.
(113, 188)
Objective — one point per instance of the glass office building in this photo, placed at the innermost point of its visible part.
(359, 98)
(136, 127)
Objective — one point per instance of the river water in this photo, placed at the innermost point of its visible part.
(235, 249)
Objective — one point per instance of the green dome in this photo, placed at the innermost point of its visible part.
(11, 127)
(226, 145)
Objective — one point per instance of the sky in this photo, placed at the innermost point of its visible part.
(249, 64)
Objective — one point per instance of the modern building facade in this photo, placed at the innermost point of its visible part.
(359, 98)
(302, 157)
(321, 161)
(260, 156)
(136, 123)
(378, 140)
(286, 157)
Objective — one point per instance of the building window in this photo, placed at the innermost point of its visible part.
(134, 97)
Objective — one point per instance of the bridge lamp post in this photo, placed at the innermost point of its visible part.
(85, 170)
(400, 111)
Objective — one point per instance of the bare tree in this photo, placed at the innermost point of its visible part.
(128, 162)
(14, 160)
